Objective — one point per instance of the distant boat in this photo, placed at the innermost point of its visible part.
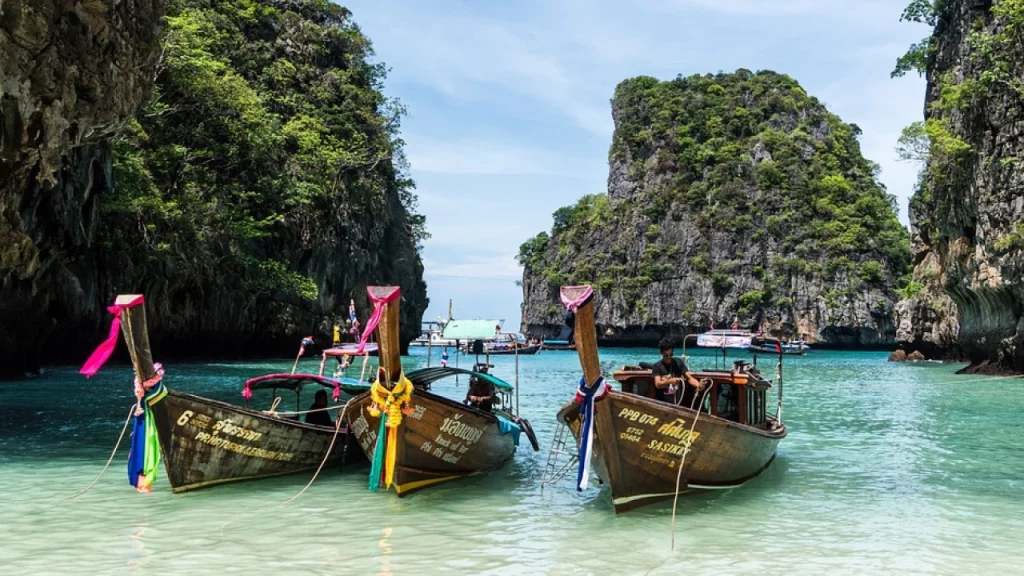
(505, 343)
(794, 348)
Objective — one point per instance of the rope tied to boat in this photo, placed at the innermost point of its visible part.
(389, 405)
(689, 442)
(131, 414)
(327, 456)
(273, 405)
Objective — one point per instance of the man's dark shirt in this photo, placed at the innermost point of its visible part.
(322, 418)
(675, 369)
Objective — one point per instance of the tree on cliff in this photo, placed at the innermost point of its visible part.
(266, 168)
(729, 194)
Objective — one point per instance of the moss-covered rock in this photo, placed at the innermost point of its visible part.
(729, 195)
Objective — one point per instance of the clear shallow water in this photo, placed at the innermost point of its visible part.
(888, 468)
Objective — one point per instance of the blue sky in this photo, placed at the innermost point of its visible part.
(509, 116)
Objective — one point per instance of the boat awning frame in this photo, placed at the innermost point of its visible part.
(470, 329)
(428, 375)
(350, 350)
(298, 381)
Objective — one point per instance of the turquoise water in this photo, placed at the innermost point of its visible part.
(888, 468)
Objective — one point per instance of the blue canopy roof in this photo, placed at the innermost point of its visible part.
(428, 375)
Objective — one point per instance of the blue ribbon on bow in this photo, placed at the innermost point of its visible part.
(588, 394)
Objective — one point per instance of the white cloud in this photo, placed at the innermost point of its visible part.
(501, 266)
(509, 102)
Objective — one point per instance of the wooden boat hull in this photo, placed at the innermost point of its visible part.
(524, 351)
(785, 351)
(205, 442)
(639, 443)
(441, 440)
(559, 347)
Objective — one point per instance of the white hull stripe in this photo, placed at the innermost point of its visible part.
(628, 499)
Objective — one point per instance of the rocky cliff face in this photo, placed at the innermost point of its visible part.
(71, 73)
(258, 189)
(729, 196)
(927, 321)
(969, 249)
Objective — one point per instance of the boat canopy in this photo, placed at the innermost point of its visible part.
(725, 339)
(298, 381)
(470, 329)
(428, 375)
(350, 350)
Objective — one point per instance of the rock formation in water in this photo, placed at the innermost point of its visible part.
(729, 196)
(72, 72)
(259, 188)
(968, 214)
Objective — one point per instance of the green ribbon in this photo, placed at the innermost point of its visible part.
(378, 452)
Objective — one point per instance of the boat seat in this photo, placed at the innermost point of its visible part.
(647, 365)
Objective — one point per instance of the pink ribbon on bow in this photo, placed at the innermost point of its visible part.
(574, 305)
(246, 392)
(378, 312)
(106, 348)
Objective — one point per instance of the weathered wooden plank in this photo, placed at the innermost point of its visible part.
(389, 348)
(136, 336)
(585, 334)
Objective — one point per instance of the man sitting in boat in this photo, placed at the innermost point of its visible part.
(321, 417)
(669, 375)
(480, 394)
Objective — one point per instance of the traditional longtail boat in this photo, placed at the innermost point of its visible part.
(205, 442)
(503, 344)
(637, 444)
(415, 438)
(794, 348)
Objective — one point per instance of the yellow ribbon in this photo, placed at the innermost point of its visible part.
(394, 402)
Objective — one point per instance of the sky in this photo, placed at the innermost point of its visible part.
(509, 114)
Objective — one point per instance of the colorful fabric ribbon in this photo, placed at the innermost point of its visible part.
(390, 406)
(378, 313)
(574, 305)
(586, 396)
(144, 458)
(106, 348)
(307, 341)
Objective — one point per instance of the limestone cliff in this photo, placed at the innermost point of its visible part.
(71, 73)
(733, 195)
(242, 169)
(969, 248)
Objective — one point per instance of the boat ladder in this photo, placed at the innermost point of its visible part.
(560, 461)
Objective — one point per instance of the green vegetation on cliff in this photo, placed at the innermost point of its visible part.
(987, 71)
(722, 177)
(267, 137)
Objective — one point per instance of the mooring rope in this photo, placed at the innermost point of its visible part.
(682, 460)
(327, 456)
(131, 413)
